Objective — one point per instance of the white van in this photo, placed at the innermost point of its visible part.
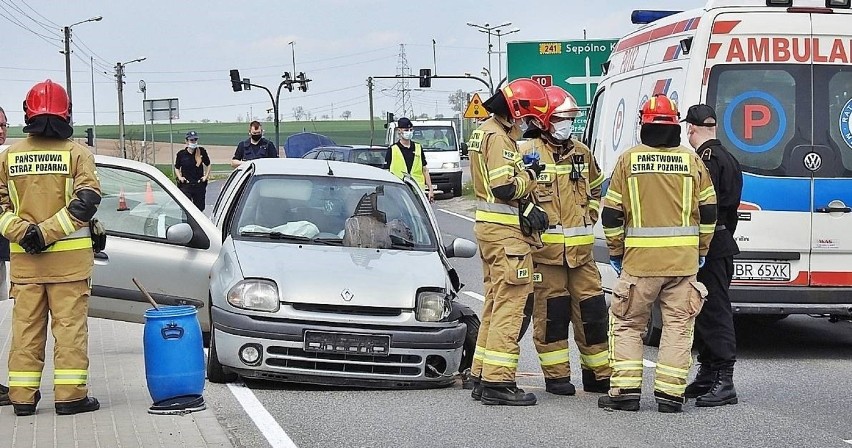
(778, 74)
(442, 149)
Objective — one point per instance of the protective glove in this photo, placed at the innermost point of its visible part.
(32, 241)
(532, 218)
(615, 262)
(701, 261)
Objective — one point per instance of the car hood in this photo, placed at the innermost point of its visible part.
(323, 274)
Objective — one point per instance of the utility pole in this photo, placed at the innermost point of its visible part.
(372, 125)
(144, 89)
(293, 50)
(500, 53)
(490, 30)
(94, 116)
(67, 31)
(119, 79)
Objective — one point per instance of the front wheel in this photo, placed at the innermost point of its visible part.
(472, 322)
(457, 189)
(215, 371)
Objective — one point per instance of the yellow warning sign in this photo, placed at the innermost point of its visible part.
(475, 109)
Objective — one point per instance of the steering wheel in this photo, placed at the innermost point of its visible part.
(440, 144)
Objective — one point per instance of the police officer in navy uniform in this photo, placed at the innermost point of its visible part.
(715, 339)
(256, 147)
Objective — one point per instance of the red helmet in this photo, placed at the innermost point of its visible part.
(562, 104)
(526, 98)
(47, 98)
(659, 110)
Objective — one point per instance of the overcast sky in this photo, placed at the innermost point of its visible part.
(190, 46)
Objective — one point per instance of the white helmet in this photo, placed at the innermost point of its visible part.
(566, 104)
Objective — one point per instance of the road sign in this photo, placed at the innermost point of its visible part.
(161, 110)
(475, 109)
(573, 65)
(544, 80)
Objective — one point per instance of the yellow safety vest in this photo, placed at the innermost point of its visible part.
(398, 168)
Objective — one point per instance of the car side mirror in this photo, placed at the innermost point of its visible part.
(460, 248)
(179, 233)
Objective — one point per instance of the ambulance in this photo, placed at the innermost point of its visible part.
(778, 74)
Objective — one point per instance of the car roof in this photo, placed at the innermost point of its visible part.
(347, 147)
(312, 167)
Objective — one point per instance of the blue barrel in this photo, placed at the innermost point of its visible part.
(174, 352)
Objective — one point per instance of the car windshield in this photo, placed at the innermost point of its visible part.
(333, 211)
(435, 138)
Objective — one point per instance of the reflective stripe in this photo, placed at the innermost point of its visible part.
(497, 218)
(500, 359)
(706, 193)
(687, 201)
(483, 171)
(479, 353)
(572, 236)
(496, 208)
(594, 360)
(577, 231)
(597, 182)
(672, 389)
(505, 170)
(595, 205)
(6, 219)
(520, 189)
(613, 231)
(674, 372)
(673, 241)
(552, 238)
(709, 228)
(69, 190)
(73, 377)
(613, 197)
(65, 221)
(635, 205)
(628, 382)
(13, 196)
(24, 379)
(554, 357)
(626, 365)
(662, 231)
(62, 245)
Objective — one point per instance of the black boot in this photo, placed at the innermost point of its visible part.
(592, 384)
(4, 396)
(87, 404)
(476, 393)
(668, 404)
(624, 402)
(22, 410)
(702, 383)
(559, 386)
(506, 394)
(722, 392)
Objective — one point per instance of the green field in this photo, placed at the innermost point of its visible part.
(348, 132)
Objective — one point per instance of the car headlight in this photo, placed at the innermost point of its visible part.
(432, 306)
(450, 165)
(255, 294)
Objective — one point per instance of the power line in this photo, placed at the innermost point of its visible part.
(40, 15)
(24, 13)
(24, 27)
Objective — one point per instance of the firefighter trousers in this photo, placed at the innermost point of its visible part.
(715, 338)
(566, 295)
(680, 299)
(507, 267)
(68, 305)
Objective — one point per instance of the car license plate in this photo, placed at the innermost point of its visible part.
(348, 343)
(762, 271)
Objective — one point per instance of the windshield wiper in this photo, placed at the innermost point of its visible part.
(401, 243)
(288, 237)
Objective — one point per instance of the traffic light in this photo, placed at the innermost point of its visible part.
(90, 137)
(303, 83)
(246, 84)
(425, 77)
(236, 82)
(288, 82)
(390, 117)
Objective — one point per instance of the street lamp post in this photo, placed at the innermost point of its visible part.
(67, 31)
(293, 51)
(489, 30)
(119, 78)
(500, 52)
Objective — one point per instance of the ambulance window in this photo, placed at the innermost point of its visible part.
(590, 138)
(839, 101)
(759, 108)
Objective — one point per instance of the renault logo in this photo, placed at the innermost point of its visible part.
(347, 295)
(813, 161)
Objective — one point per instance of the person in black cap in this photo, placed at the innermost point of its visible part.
(406, 157)
(715, 339)
(192, 169)
(256, 147)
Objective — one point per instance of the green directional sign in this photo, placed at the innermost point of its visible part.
(574, 65)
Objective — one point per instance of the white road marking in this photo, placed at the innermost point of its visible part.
(848, 441)
(476, 296)
(264, 421)
(650, 364)
(466, 218)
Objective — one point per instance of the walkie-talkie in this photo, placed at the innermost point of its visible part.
(576, 173)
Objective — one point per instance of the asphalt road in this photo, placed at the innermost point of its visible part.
(792, 376)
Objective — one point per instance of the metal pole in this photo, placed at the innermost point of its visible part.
(119, 78)
(94, 116)
(499, 56)
(144, 126)
(372, 124)
(67, 31)
(153, 142)
(293, 48)
(171, 134)
(434, 58)
(489, 52)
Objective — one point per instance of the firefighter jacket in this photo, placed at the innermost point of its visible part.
(569, 190)
(659, 211)
(39, 177)
(499, 181)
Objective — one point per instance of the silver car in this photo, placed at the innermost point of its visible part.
(310, 271)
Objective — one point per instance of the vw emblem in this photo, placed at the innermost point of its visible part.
(813, 161)
(347, 295)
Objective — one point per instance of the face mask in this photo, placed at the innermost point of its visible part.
(562, 129)
(256, 137)
(193, 145)
(407, 135)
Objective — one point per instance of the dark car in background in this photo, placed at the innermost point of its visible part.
(365, 155)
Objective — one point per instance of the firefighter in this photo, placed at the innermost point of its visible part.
(507, 226)
(48, 193)
(566, 280)
(659, 216)
(715, 339)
